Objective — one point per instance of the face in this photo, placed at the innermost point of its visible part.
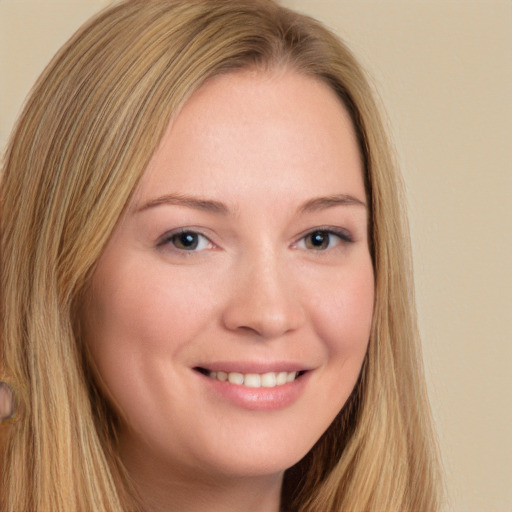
(229, 315)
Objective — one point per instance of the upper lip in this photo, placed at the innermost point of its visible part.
(253, 366)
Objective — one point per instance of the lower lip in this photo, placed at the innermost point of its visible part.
(258, 399)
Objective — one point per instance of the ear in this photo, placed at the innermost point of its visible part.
(7, 402)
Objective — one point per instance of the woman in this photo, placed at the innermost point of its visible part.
(206, 298)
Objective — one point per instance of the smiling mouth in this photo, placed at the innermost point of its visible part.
(253, 380)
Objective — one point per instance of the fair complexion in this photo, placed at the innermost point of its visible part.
(243, 256)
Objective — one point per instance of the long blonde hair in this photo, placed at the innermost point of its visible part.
(80, 146)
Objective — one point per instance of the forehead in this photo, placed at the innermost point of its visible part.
(251, 129)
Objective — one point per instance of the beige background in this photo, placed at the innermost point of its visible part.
(443, 69)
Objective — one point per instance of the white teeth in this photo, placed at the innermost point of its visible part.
(268, 380)
(252, 380)
(235, 378)
(255, 380)
(291, 377)
(281, 378)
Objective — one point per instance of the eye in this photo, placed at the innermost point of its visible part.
(189, 241)
(323, 239)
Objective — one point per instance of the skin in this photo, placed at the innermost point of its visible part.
(6, 401)
(260, 148)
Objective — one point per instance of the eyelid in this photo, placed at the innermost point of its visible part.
(343, 234)
(166, 239)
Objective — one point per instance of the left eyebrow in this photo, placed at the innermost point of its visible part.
(321, 203)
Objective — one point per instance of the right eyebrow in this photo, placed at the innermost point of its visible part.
(196, 203)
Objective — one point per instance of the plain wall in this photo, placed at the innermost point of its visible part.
(443, 70)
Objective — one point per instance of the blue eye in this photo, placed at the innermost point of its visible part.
(190, 241)
(323, 239)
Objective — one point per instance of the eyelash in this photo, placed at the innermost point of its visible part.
(169, 237)
(341, 234)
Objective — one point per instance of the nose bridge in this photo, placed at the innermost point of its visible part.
(263, 299)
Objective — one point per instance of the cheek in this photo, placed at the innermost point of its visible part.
(342, 314)
(147, 312)
(135, 326)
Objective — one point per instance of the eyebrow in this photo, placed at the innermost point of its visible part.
(321, 203)
(208, 205)
(197, 203)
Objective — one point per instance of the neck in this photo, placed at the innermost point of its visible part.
(250, 495)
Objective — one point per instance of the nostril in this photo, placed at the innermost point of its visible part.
(263, 305)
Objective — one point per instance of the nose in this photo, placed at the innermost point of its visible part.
(263, 301)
